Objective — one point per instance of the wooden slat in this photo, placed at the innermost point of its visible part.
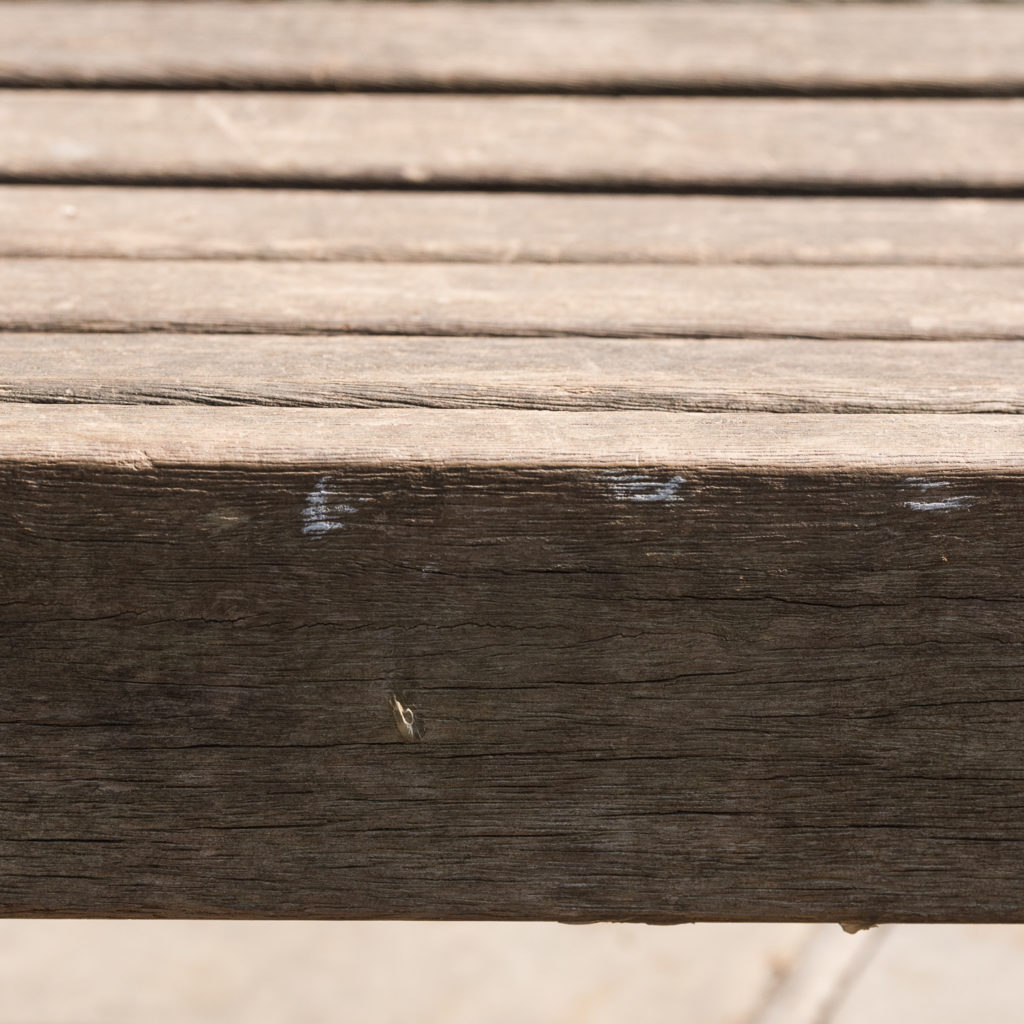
(474, 299)
(148, 223)
(512, 140)
(613, 46)
(664, 667)
(515, 373)
(823, 444)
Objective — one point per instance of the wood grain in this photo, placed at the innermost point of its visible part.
(667, 666)
(881, 303)
(512, 141)
(632, 625)
(514, 373)
(146, 437)
(313, 224)
(651, 46)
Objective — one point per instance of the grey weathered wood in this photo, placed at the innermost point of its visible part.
(315, 224)
(478, 299)
(512, 141)
(666, 666)
(614, 46)
(514, 373)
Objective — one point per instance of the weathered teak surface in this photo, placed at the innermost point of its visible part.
(654, 436)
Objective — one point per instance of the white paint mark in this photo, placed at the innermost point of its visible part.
(321, 514)
(943, 505)
(638, 487)
(924, 484)
(946, 505)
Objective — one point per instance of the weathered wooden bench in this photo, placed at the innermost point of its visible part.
(511, 460)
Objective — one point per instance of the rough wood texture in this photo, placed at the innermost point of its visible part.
(666, 667)
(230, 223)
(589, 655)
(575, 46)
(512, 141)
(515, 373)
(880, 303)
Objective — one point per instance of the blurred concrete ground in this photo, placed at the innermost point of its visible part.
(87, 972)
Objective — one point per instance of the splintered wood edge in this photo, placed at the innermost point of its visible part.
(512, 45)
(147, 438)
(238, 223)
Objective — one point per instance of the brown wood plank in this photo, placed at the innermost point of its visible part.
(937, 303)
(314, 224)
(612, 46)
(665, 667)
(515, 373)
(511, 141)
